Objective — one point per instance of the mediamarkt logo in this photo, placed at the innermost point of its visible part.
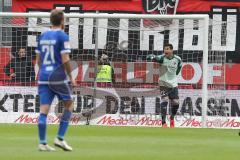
(216, 123)
(148, 121)
(144, 121)
(29, 119)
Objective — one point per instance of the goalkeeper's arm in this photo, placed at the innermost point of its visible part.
(154, 58)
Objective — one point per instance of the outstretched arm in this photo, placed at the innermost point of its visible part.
(154, 58)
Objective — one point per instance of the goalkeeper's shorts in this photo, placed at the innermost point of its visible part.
(172, 93)
(48, 92)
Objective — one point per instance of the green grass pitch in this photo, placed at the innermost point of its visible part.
(19, 142)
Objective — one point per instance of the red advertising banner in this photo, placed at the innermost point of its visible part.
(24, 108)
(145, 72)
(225, 10)
(86, 5)
(123, 5)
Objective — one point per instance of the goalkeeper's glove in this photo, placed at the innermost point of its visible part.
(159, 58)
(151, 57)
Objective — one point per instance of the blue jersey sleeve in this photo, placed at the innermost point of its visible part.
(65, 44)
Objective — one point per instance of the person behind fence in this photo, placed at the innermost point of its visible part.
(170, 67)
(104, 77)
(105, 70)
(20, 68)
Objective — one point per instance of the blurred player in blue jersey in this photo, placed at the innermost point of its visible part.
(55, 73)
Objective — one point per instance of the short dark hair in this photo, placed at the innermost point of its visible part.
(56, 17)
(168, 45)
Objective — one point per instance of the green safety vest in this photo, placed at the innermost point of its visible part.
(104, 73)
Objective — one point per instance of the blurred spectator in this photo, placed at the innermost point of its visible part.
(20, 68)
(120, 57)
(105, 70)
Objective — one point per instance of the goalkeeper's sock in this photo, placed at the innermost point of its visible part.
(42, 125)
(164, 111)
(174, 111)
(64, 124)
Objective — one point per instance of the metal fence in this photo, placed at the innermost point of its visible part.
(6, 5)
(5, 32)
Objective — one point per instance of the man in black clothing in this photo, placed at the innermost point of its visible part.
(22, 68)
